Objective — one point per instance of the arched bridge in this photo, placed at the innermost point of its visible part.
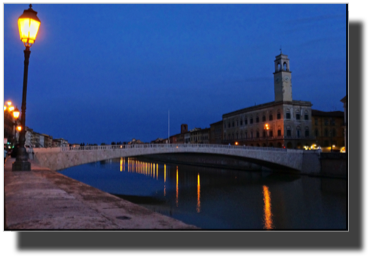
(64, 157)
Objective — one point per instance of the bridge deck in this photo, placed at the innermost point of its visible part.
(65, 157)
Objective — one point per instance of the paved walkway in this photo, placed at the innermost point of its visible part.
(44, 199)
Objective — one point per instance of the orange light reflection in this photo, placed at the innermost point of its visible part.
(268, 222)
(176, 188)
(199, 195)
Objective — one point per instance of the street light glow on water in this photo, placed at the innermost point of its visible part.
(212, 198)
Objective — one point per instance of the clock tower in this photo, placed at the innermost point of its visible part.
(282, 79)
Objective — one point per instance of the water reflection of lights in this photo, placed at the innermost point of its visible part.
(199, 194)
(122, 164)
(268, 222)
(164, 179)
(176, 187)
(136, 166)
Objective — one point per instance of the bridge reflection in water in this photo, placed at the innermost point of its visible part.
(212, 198)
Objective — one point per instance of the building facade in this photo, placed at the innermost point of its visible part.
(282, 123)
(60, 142)
(200, 136)
(48, 141)
(216, 132)
(344, 101)
(328, 129)
(29, 137)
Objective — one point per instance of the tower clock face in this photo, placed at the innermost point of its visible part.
(286, 79)
(277, 80)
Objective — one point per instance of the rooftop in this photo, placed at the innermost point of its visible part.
(327, 114)
(267, 105)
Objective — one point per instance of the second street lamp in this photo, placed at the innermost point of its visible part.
(28, 24)
(16, 114)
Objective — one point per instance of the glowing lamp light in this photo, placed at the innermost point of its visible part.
(5, 107)
(28, 25)
(267, 126)
(11, 108)
(236, 143)
(9, 103)
(16, 113)
(19, 128)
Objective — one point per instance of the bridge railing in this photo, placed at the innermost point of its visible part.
(173, 146)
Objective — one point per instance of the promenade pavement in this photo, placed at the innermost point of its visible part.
(43, 199)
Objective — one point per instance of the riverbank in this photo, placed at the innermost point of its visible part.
(43, 199)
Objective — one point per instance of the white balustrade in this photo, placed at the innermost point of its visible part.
(173, 146)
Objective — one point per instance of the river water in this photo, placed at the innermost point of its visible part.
(213, 198)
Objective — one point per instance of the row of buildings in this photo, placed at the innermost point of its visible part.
(283, 122)
(32, 138)
(38, 140)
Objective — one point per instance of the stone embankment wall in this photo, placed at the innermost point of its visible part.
(334, 164)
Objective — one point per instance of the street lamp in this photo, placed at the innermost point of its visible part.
(16, 114)
(266, 127)
(28, 25)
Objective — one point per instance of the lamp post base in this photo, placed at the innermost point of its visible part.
(21, 166)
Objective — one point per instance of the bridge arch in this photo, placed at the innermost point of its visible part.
(65, 157)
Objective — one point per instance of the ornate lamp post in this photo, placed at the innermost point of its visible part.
(28, 25)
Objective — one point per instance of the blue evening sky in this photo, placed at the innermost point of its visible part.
(102, 73)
